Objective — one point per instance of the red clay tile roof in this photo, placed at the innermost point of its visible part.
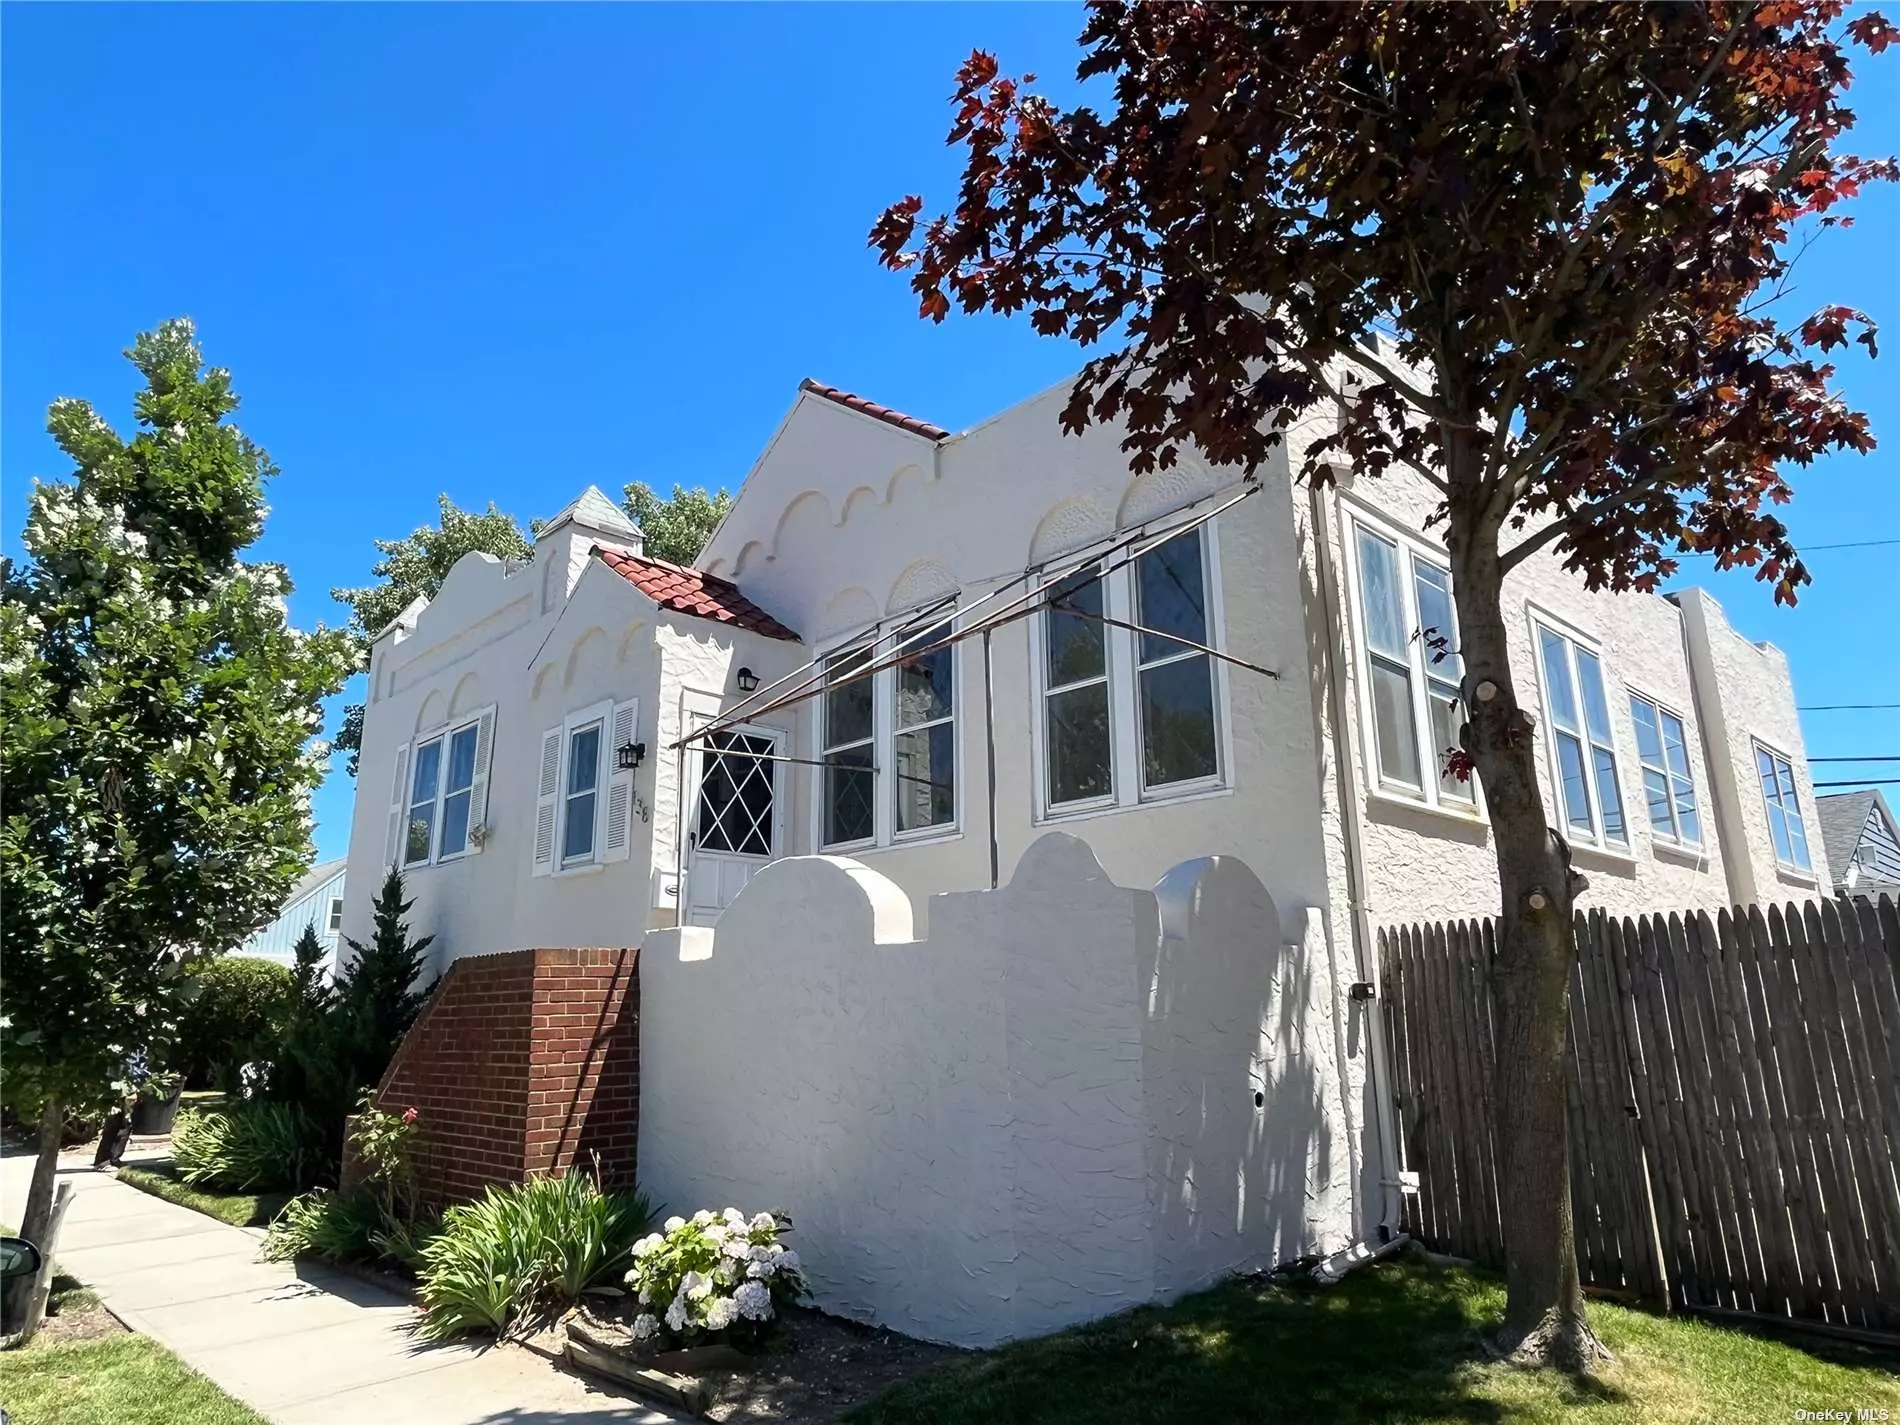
(874, 410)
(688, 591)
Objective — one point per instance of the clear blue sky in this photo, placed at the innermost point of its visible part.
(505, 251)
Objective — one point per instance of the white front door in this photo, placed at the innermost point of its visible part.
(735, 827)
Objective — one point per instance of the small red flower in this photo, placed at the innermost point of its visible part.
(408, 1115)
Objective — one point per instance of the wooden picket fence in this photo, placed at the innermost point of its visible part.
(1734, 1094)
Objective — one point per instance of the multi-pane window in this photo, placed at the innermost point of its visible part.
(1582, 751)
(1076, 713)
(849, 732)
(336, 913)
(1662, 751)
(888, 741)
(441, 794)
(581, 797)
(1412, 668)
(1129, 711)
(924, 734)
(1785, 827)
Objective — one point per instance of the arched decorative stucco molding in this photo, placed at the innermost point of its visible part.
(859, 499)
(632, 638)
(924, 581)
(433, 712)
(589, 648)
(751, 555)
(716, 567)
(545, 678)
(468, 695)
(809, 509)
(1162, 492)
(1070, 524)
(849, 608)
(912, 476)
(855, 902)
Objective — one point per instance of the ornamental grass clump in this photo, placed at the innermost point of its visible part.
(723, 1277)
(251, 1148)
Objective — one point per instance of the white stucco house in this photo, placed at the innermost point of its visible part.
(521, 749)
(907, 657)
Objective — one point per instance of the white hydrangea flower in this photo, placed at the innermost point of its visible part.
(676, 1317)
(673, 1224)
(695, 1285)
(716, 1234)
(721, 1314)
(764, 1222)
(645, 1326)
(754, 1301)
(727, 1272)
(647, 1245)
(787, 1260)
(758, 1271)
(737, 1247)
(703, 1218)
(734, 1218)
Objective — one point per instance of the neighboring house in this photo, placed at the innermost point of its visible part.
(316, 900)
(1858, 830)
(522, 748)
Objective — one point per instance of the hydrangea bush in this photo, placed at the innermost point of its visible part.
(718, 1276)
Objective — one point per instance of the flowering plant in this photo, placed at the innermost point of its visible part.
(719, 1276)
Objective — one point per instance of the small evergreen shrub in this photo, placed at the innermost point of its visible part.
(257, 1147)
(713, 1278)
(524, 1250)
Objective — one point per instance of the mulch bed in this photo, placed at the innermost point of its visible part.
(814, 1368)
(89, 1322)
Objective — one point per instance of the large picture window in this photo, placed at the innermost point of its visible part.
(1662, 752)
(442, 791)
(888, 741)
(1408, 635)
(1785, 826)
(1129, 696)
(1583, 752)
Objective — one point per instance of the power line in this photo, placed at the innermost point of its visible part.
(1854, 759)
(1845, 707)
(1864, 782)
(1804, 549)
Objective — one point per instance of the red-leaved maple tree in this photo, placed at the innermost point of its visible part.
(1576, 225)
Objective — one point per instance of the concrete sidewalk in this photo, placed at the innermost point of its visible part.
(298, 1344)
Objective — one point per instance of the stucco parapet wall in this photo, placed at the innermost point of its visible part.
(1071, 1097)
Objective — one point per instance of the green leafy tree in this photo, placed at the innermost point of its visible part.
(676, 529)
(159, 712)
(412, 568)
(234, 1011)
(1575, 224)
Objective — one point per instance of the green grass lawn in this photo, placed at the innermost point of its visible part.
(119, 1380)
(240, 1209)
(1394, 1342)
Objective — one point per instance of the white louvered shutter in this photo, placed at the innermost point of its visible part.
(547, 801)
(398, 808)
(478, 789)
(619, 838)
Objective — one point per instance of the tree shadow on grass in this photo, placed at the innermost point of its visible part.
(1391, 1342)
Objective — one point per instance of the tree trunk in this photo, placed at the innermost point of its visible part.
(36, 1218)
(1544, 1321)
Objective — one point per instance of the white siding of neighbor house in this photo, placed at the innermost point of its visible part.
(278, 940)
(1067, 1099)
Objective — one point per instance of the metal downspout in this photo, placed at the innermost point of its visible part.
(1351, 813)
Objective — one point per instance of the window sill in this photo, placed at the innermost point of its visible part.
(589, 869)
(1806, 880)
(1615, 859)
(1697, 856)
(1463, 816)
(1151, 803)
(935, 838)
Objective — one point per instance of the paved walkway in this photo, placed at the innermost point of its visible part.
(298, 1344)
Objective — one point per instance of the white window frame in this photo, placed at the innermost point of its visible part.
(599, 716)
(882, 640)
(1769, 808)
(1575, 639)
(445, 735)
(1411, 551)
(1122, 669)
(335, 918)
(1663, 709)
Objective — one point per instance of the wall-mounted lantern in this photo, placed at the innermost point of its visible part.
(748, 680)
(630, 755)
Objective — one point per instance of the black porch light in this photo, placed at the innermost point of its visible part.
(748, 680)
(629, 755)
